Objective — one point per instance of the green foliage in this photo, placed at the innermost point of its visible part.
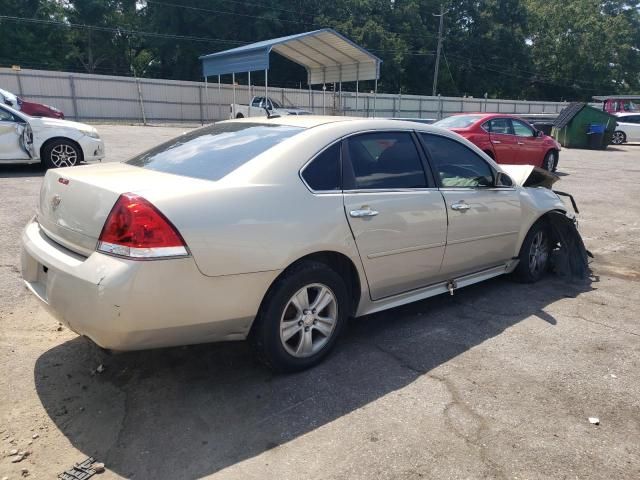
(546, 49)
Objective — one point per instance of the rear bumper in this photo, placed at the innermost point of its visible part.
(122, 304)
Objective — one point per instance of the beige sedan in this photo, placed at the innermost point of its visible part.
(278, 230)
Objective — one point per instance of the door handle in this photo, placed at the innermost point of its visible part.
(363, 212)
(496, 141)
(461, 206)
(520, 143)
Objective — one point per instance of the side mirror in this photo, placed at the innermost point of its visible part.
(539, 133)
(503, 180)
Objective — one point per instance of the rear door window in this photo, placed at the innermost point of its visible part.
(214, 151)
(383, 160)
(500, 126)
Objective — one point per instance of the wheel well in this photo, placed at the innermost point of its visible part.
(239, 115)
(554, 150)
(343, 266)
(545, 218)
(73, 142)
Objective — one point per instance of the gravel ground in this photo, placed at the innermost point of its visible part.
(497, 381)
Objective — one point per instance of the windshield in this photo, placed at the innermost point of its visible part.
(214, 151)
(458, 121)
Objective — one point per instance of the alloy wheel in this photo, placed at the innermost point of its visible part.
(549, 161)
(618, 138)
(64, 155)
(538, 253)
(308, 320)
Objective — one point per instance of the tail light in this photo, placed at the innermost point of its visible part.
(137, 229)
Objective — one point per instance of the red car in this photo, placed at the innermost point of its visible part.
(506, 138)
(30, 108)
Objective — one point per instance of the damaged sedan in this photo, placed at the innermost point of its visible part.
(278, 230)
(52, 142)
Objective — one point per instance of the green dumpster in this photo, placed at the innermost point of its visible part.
(574, 127)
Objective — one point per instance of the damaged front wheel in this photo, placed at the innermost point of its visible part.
(534, 254)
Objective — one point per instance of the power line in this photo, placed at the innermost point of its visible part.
(274, 19)
(119, 30)
(244, 4)
(538, 78)
(529, 75)
(164, 35)
(225, 12)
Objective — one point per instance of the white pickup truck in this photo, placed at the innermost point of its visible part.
(257, 109)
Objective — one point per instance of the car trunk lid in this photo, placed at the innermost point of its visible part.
(75, 202)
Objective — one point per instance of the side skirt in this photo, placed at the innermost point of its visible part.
(449, 286)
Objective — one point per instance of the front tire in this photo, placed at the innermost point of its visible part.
(534, 254)
(550, 161)
(300, 318)
(61, 153)
(619, 137)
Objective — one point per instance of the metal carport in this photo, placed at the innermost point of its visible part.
(327, 56)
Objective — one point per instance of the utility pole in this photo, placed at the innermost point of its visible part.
(435, 74)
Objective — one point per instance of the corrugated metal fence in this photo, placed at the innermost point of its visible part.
(125, 99)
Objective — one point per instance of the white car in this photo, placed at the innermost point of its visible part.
(54, 143)
(628, 129)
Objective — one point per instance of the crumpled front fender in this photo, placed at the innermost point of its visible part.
(569, 258)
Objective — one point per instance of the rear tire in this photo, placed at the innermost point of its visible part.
(534, 254)
(300, 318)
(619, 137)
(61, 153)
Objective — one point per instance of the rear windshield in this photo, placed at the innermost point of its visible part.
(458, 121)
(212, 152)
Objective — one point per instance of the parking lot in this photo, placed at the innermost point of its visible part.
(497, 381)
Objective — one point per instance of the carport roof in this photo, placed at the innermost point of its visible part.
(326, 55)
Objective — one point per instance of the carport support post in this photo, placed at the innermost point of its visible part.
(340, 91)
(233, 83)
(249, 102)
(200, 101)
(266, 88)
(357, 82)
(206, 95)
(324, 89)
(219, 99)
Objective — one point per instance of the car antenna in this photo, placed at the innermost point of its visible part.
(269, 114)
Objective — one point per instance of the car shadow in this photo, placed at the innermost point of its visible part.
(189, 412)
(16, 171)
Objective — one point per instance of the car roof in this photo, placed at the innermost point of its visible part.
(360, 123)
(484, 115)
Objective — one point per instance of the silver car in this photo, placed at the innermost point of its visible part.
(278, 230)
